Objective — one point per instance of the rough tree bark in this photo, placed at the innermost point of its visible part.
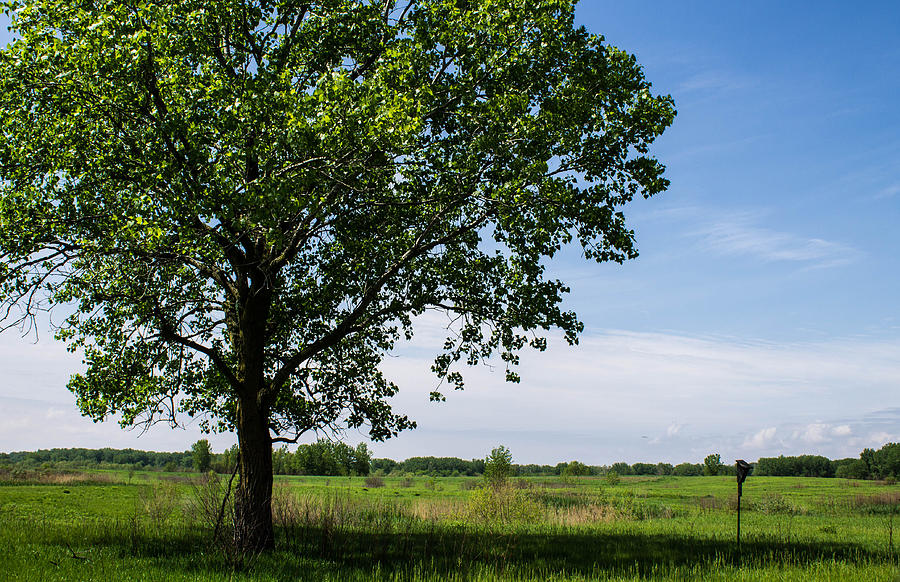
(253, 530)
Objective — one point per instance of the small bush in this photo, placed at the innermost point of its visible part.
(773, 504)
(160, 501)
(374, 481)
(503, 504)
(612, 478)
(209, 502)
(406, 482)
(287, 508)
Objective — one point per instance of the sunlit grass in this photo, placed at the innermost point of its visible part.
(339, 529)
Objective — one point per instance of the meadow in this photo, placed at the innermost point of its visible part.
(117, 525)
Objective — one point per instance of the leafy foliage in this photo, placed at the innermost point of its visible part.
(244, 205)
(323, 458)
(503, 504)
(261, 196)
(712, 464)
(687, 469)
(498, 467)
(576, 469)
(202, 455)
(801, 466)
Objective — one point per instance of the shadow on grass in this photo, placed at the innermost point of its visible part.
(446, 550)
(570, 553)
(304, 551)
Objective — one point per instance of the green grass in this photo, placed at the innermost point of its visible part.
(338, 529)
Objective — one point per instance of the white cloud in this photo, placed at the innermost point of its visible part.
(880, 438)
(761, 439)
(815, 433)
(598, 401)
(673, 429)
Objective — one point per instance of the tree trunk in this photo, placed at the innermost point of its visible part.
(253, 531)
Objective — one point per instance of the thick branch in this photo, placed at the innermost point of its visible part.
(167, 333)
(349, 323)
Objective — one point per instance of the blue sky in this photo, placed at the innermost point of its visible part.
(761, 317)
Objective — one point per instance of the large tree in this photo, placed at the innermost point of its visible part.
(240, 206)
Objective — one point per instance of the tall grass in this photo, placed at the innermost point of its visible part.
(587, 530)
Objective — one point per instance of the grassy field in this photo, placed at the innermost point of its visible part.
(154, 526)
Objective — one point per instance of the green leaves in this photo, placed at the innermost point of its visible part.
(251, 201)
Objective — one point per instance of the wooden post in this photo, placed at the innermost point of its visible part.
(743, 469)
(739, 524)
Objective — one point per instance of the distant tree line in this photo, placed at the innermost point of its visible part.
(105, 458)
(332, 458)
(323, 458)
(432, 466)
(871, 464)
(199, 457)
(802, 466)
(880, 464)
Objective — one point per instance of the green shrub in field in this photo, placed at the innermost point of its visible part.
(208, 501)
(498, 467)
(374, 481)
(201, 454)
(712, 464)
(504, 504)
(773, 504)
(160, 501)
(612, 478)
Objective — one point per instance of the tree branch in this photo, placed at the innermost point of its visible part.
(348, 324)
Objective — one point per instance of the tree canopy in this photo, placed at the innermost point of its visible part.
(243, 205)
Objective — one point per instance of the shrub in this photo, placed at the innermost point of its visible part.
(612, 478)
(498, 466)
(374, 481)
(773, 504)
(159, 501)
(503, 504)
(712, 464)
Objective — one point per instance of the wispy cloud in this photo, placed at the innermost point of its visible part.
(739, 234)
(619, 395)
(713, 81)
(888, 191)
(674, 429)
(623, 395)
